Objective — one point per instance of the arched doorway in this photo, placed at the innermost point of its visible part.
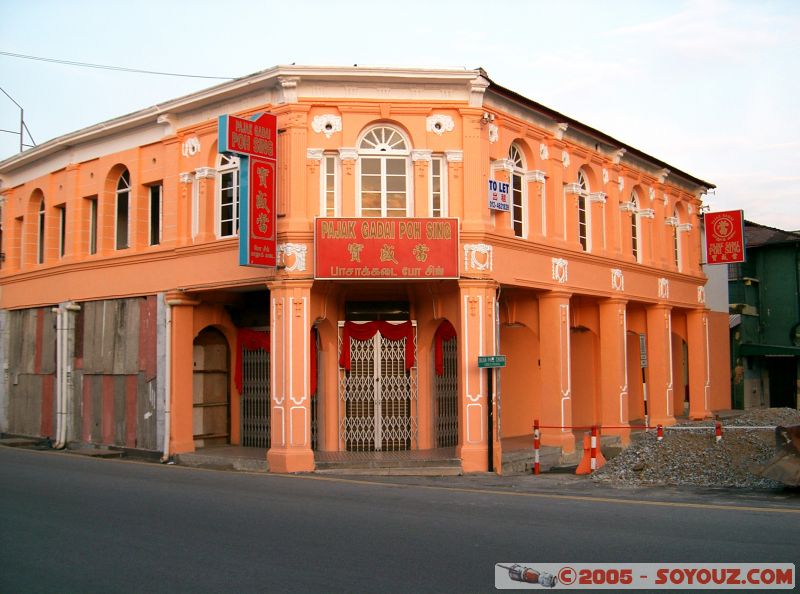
(210, 389)
(445, 385)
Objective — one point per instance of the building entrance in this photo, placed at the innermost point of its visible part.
(377, 386)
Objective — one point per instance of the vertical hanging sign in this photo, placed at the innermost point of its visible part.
(254, 141)
(724, 237)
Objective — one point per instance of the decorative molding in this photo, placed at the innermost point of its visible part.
(327, 123)
(205, 172)
(170, 121)
(572, 189)
(627, 206)
(559, 130)
(565, 158)
(617, 280)
(663, 288)
(651, 193)
(690, 209)
(477, 88)
(472, 251)
(315, 154)
(288, 89)
(535, 176)
(684, 227)
(560, 270)
(186, 177)
(701, 295)
(597, 197)
(190, 147)
(494, 135)
(298, 250)
(621, 183)
(646, 213)
(617, 158)
(454, 156)
(605, 176)
(506, 165)
(421, 155)
(439, 123)
(543, 152)
(348, 154)
(662, 175)
(665, 200)
(671, 221)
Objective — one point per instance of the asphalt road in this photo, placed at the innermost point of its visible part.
(72, 524)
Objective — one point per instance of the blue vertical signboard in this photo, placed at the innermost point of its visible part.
(254, 141)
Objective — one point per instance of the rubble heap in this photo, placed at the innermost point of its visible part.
(695, 458)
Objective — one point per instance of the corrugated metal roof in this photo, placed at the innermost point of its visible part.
(757, 235)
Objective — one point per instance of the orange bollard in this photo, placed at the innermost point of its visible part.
(589, 463)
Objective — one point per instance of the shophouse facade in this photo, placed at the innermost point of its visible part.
(129, 322)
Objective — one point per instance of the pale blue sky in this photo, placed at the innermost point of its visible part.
(710, 86)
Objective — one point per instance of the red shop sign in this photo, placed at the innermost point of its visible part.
(724, 237)
(391, 248)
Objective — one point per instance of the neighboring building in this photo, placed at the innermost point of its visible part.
(765, 319)
(128, 321)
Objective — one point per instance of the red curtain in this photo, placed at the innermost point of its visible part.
(445, 331)
(251, 340)
(368, 330)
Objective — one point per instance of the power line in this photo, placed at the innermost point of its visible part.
(106, 67)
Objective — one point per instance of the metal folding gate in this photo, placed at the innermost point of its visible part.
(377, 397)
(446, 399)
(255, 398)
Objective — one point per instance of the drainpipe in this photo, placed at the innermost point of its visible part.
(167, 381)
(59, 443)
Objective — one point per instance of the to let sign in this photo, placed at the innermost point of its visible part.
(390, 248)
(254, 140)
(498, 195)
(724, 237)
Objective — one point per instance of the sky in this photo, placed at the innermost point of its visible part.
(711, 87)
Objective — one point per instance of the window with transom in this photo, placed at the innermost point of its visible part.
(583, 212)
(676, 240)
(227, 196)
(438, 187)
(383, 160)
(40, 234)
(518, 193)
(330, 202)
(635, 234)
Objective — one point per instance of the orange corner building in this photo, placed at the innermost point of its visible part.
(424, 219)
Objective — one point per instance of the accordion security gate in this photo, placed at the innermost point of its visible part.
(255, 398)
(447, 397)
(378, 397)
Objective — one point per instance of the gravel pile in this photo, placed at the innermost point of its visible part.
(695, 458)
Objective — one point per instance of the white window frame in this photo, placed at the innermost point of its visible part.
(225, 166)
(41, 228)
(93, 216)
(384, 152)
(519, 171)
(331, 166)
(636, 227)
(62, 230)
(160, 187)
(126, 191)
(677, 250)
(583, 199)
(443, 196)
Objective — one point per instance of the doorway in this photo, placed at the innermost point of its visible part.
(210, 392)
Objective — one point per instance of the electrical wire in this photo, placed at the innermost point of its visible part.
(107, 67)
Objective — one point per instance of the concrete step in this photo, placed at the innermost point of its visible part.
(394, 471)
(378, 464)
(19, 442)
(521, 461)
(97, 452)
(222, 462)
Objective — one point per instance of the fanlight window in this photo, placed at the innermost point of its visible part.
(517, 190)
(583, 216)
(383, 173)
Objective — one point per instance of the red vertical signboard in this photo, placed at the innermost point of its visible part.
(261, 241)
(724, 237)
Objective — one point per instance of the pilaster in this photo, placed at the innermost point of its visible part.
(181, 371)
(659, 368)
(556, 389)
(699, 364)
(290, 423)
(614, 368)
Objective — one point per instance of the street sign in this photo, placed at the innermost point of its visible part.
(491, 361)
(254, 140)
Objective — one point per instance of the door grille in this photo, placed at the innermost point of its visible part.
(255, 398)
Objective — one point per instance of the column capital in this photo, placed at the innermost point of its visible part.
(555, 295)
(179, 297)
(613, 301)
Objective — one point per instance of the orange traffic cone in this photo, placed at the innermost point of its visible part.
(589, 452)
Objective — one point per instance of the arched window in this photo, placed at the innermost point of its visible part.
(637, 253)
(676, 239)
(40, 235)
(518, 192)
(228, 196)
(583, 213)
(383, 159)
(123, 209)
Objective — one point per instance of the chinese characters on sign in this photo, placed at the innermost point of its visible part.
(498, 196)
(386, 248)
(724, 237)
(254, 141)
